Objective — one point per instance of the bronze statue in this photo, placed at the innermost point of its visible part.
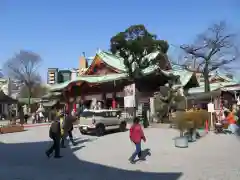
(169, 95)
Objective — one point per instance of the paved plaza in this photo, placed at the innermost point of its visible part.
(213, 157)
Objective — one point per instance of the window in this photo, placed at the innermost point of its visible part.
(87, 114)
(114, 114)
(66, 77)
(101, 114)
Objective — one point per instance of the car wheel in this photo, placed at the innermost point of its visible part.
(100, 130)
(123, 126)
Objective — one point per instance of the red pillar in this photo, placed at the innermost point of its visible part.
(75, 107)
(113, 103)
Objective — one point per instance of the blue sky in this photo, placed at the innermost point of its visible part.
(61, 30)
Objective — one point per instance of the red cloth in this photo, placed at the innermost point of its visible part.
(230, 118)
(206, 126)
(136, 133)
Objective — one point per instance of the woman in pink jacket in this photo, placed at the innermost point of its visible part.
(136, 136)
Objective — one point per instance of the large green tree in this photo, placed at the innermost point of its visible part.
(134, 44)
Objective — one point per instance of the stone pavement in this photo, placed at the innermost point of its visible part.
(214, 157)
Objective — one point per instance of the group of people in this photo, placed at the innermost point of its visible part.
(230, 118)
(60, 129)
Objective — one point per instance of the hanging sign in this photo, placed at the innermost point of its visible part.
(210, 107)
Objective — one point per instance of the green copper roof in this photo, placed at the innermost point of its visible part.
(51, 95)
(185, 75)
(184, 78)
(49, 103)
(112, 60)
(98, 78)
(32, 100)
(89, 79)
(117, 62)
(213, 87)
(225, 77)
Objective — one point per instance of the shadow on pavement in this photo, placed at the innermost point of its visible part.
(145, 153)
(107, 132)
(27, 161)
(238, 132)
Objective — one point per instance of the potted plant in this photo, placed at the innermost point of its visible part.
(196, 120)
(182, 125)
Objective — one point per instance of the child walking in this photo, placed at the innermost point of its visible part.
(136, 136)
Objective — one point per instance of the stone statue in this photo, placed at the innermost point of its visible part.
(99, 105)
(93, 104)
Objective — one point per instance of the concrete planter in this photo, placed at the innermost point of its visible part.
(11, 129)
(181, 142)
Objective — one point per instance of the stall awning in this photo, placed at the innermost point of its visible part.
(49, 103)
(204, 96)
(6, 99)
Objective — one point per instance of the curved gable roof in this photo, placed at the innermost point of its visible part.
(117, 62)
(112, 60)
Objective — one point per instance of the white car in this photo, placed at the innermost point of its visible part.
(99, 121)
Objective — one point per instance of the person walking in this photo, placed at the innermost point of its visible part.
(136, 136)
(67, 128)
(55, 135)
(26, 113)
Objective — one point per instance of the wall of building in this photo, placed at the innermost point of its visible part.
(64, 75)
(56, 75)
(52, 76)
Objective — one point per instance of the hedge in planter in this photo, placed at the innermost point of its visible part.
(11, 129)
(182, 125)
(187, 122)
(195, 119)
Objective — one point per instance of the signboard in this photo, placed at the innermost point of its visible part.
(129, 90)
(210, 107)
(129, 101)
(152, 108)
(238, 101)
(129, 96)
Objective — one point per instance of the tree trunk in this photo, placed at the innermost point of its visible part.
(29, 98)
(206, 79)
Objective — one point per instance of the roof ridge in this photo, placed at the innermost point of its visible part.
(112, 60)
(111, 54)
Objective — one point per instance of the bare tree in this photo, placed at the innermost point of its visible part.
(37, 91)
(24, 68)
(213, 49)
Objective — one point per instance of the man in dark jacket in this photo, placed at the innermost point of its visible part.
(55, 135)
(68, 128)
